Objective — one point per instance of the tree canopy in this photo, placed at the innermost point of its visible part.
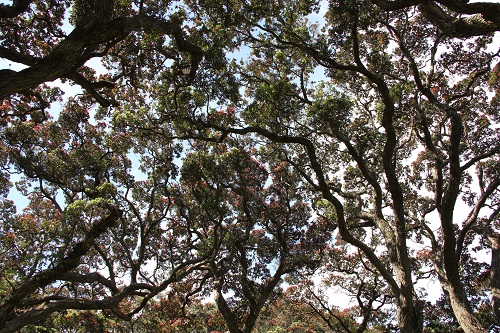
(174, 151)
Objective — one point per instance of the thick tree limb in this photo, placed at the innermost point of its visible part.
(490, 10)
(468, 26)
(495, 273)
(35, 315)
(90, 87)
(78, 47)
(15, 56)
(18, 7)
(484, 17)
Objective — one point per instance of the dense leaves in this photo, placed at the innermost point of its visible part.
(161, 153)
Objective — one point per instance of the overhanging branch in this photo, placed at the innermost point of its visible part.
(76, 49)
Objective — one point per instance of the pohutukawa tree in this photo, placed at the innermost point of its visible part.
(370, 122)
(400, 134)
(92, 236)
(264, 231)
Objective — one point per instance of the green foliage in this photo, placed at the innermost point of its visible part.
(225, 147)
(333, 111)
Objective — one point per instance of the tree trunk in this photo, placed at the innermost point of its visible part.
(409, 316)
(495, 275)
(463, 312)
(227, 314)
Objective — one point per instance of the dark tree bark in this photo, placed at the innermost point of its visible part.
(495, 274)
(484, 18)
(80, 45)
(17, 7)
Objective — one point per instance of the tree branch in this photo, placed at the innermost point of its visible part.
(48, 276)
(75, 49)
(18, 7)
(484, 22)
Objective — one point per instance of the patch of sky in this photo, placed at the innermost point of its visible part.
(318, 17)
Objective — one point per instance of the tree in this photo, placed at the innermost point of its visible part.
(400, 131)
(92, 237)
(265, 231)
(389, 98)
(88, 238)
